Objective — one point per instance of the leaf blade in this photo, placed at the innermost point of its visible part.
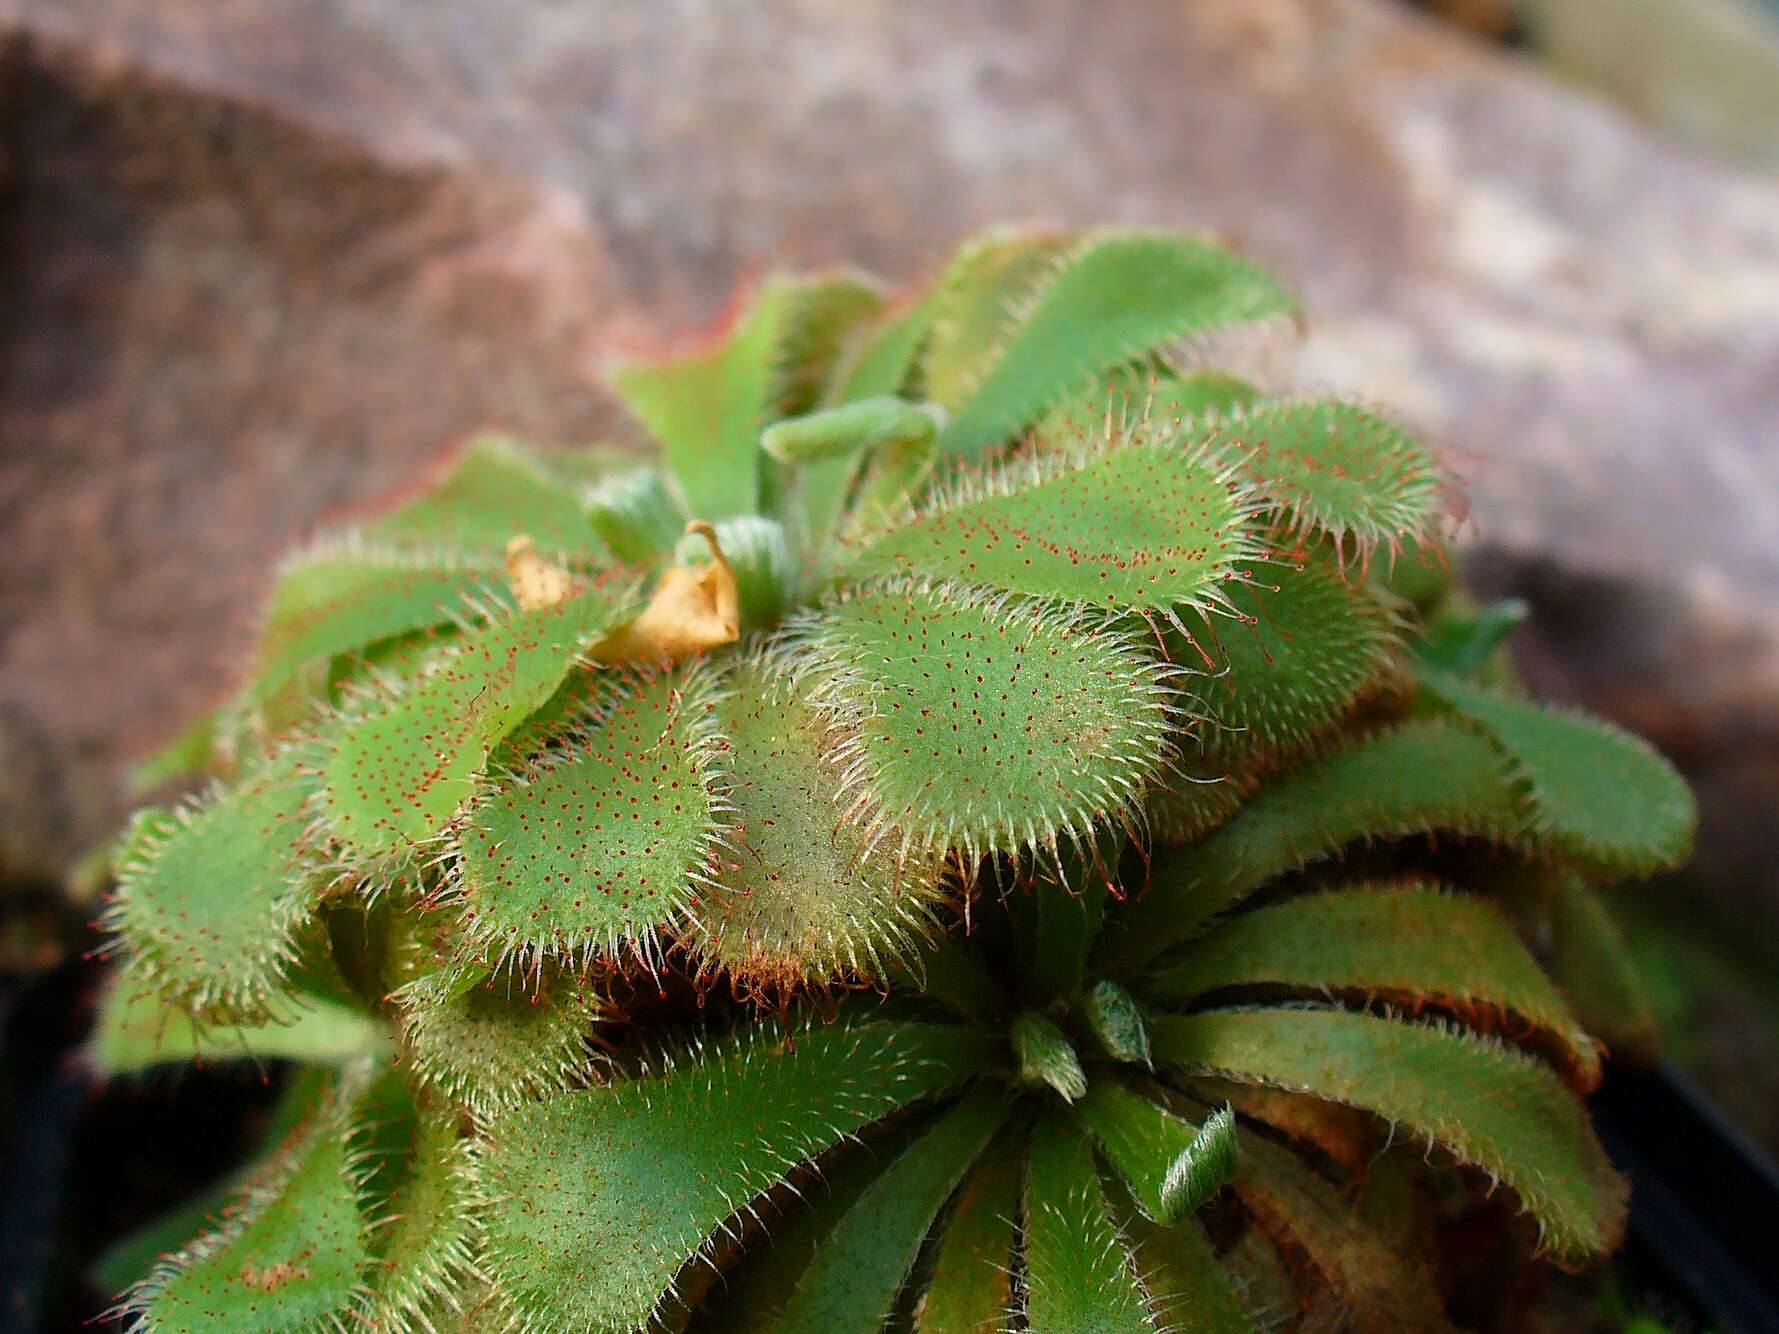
(1412, 944)
(292, 1259)
(608, 1191)
(705, 409)
(1336, 468)
(1384, 1287)
(1304, 645)
(1112, 297)
(493, 490)
(602, 843)
(795, 898)
(496, 1044)
(342, 598)
(1423, 776)
(136, 1030)
(210, 901)
(1491, 1107)
(1640, 822)
(971, 1291)
(1171, 1165)
(395, 775)
(1079, 1278)
(1190, 1289)
(850, 1287)
(1141, 524)
(975, 724)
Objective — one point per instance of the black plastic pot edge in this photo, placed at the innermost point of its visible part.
(1704, 1197)
(81, 1165)
(42, 1095)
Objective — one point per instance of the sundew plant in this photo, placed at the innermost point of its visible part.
(1002, 825)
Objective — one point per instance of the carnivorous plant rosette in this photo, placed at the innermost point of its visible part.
(1002, 823)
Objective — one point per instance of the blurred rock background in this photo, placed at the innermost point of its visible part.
(260, 261)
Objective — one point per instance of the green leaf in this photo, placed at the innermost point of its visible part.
(428, 1250)
(971, 1290)
(706, 409)
(1171, 1165)
(976, 298)
(956, 324)
(493, 491)
(1112, 297)
(1067, 901)
(798, 895)
(209, 902)
(986, 725)
(1490, 1106)
(749, 1295)
(1592, 962)
(1382, 1285)
(1046, 1056)
(601, 843)
(600, 1195)
(949, 972)
(1411, 945)
(291, 1258)
(1142, 525)
(1191, 798)
(1422, 777)
(344, 597)
(1115, 1019)
(1461, 639)
(136, 1029)
(848, 430)
(185, 756)
(1205, 1166)
(396, 775)
(1190, 1290)
(548, 727)
(887, 485)
(1603, 799)
(827, 448)
(133, 1258)
(1303, 645)
(498, 1044)
(822, 314)
(1079, 1276)
(1420, 574)
(1142, 399)
(636, 514)
(1178, 399)
(1338, 469)
(583, 463)
(881, 356)
(851, 1284)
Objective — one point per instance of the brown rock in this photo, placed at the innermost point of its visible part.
(220, 325)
